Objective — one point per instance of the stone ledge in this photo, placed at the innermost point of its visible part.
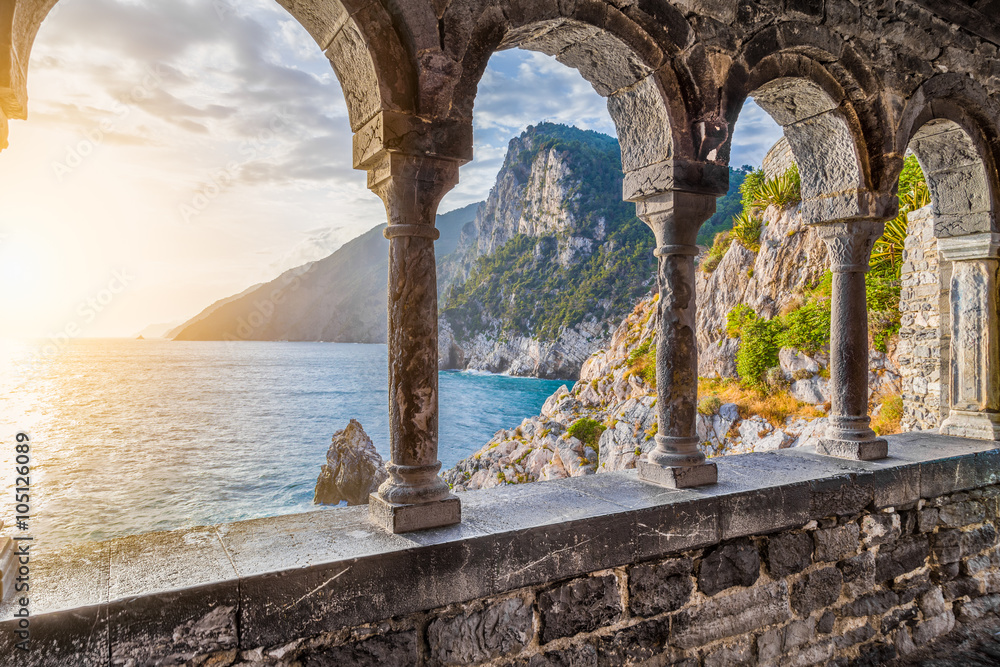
(266, 581)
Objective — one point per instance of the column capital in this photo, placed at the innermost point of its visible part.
(675, 175)
(675, 218)
(850, 243)
(971, 246)
(396, 132)
(411, 186)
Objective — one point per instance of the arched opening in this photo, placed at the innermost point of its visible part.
(949, 305)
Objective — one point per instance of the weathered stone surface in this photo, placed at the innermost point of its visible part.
(659, 587)
(634, 644)
(880, 528)
(353, 469)
(392, 649)
(816, 590)
(905, 556)
(736, 654)
(577, 606)
(833, 544)
(731, 615)
(499, 629)
(789, 553)
(871, 604)
(575, 656)
(733, 564)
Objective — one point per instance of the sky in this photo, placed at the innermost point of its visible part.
(178, 151)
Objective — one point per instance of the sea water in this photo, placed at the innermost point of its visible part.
(135, 436)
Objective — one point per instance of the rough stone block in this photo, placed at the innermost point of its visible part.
(634, 644)
(658, 587)
(878, 602)
(832, 544)
(397, 518)
(789, 553)
(897, 617)
(927, 520)
(824, 625)
(398, 648)
(859, 573)
(904, 556)
(932, 603)
(912, 587)
(733, 564)
(858, 451)
(961, 514)
(973, 609)
(499, 629)
(737, 654)
(933, 627)
(764, 510)
(581, 605)
(880, 528)
(854, 637)
(679, 477)
(584, 655)
(730, 615)
(841, 496)
(816, 590)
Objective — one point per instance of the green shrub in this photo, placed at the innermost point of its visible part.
(750, 188)
(746, 230)
(642, 361)
(806, 328)
(780, 191)
(758, 348)
(586, 430)
(709, 405)
(718, 250)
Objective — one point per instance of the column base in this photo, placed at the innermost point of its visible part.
(398, 518)
(975, 425)
(678, 477)
(867, 450)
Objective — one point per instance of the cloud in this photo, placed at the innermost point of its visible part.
(754, 134)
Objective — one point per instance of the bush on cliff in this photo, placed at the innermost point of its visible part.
(586, 430)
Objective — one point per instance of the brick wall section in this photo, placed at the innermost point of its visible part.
(923, 334)
(854, 589)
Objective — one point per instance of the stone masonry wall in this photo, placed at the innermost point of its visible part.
(851, 589)
(778, 159)
(923, 334)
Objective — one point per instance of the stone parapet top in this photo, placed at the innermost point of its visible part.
(302, 574)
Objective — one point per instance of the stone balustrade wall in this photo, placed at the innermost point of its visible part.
(852, 589)
(923, 334)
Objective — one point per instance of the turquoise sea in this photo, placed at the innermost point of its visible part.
(135, 436)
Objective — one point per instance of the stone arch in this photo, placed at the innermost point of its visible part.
(626, 55)
(949, 124)
(373, 79)
(951, 336)
(784, 69)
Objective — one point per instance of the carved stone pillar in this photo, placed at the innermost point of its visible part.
(975, 347)
(676, 461)
(848, 434)
(414, 497)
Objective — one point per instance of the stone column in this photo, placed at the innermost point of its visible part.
(676, 461)
(848, 434)
(975, 347)
(414, 497)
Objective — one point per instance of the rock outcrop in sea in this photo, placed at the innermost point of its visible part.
(353, 468)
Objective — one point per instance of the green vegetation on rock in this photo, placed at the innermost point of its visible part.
(586, 430)
(522, 288)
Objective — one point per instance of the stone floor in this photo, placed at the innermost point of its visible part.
(971, 645)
